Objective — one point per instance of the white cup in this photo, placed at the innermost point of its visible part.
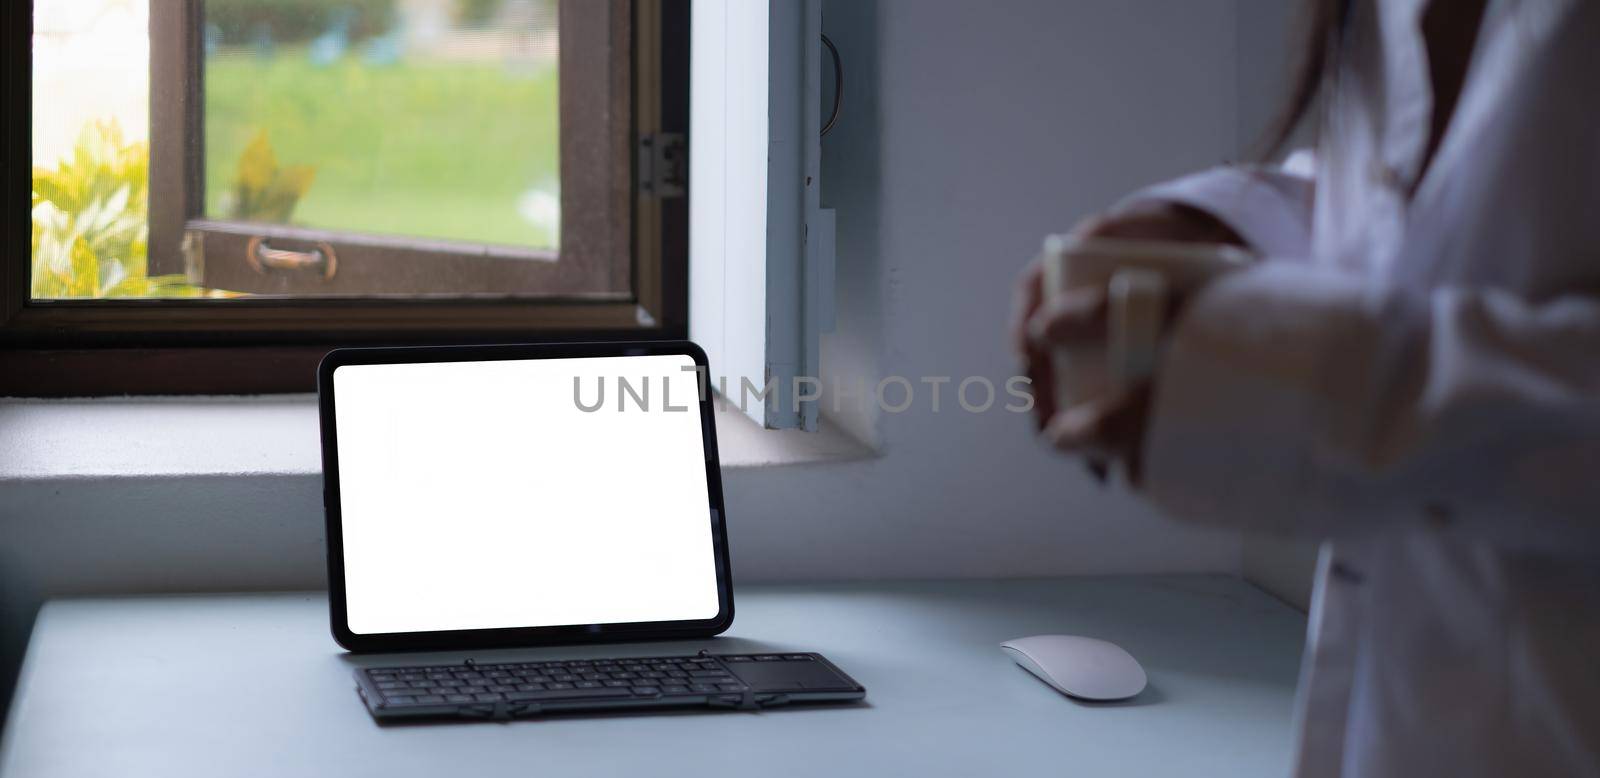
(1140, 277)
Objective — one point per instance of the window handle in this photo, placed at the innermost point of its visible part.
(264, 258)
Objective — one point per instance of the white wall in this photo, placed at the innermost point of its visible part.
(970, 130)
(1269, 51)
(1268, 54)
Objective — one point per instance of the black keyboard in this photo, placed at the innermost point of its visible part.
(510, 690)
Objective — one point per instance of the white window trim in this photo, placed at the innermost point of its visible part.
(760, 246)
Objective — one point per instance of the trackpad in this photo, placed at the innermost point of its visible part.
(787, 673)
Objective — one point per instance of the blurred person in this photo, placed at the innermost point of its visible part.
(1411, 371)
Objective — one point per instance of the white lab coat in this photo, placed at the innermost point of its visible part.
(1416, 377)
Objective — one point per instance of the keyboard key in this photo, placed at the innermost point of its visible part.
(401, 700)
(614, 683)
(588, 684)
(730, 687)
(558, 686)
(432, 698)
(797, 657)
(702, 687)
(737, 659)
(530, 687)
(492, 697)
(646, 691)
(674, 689)
(766, 658)
(458, 698)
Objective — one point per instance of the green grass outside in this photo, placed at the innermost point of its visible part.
(434, 150)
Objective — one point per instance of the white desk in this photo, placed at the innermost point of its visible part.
(251, 685)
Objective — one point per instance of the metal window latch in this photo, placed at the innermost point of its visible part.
(264, 258)
(663, 164)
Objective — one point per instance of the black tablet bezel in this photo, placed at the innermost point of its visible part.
(449, 640)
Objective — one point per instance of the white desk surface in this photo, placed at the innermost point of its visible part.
(252, 685)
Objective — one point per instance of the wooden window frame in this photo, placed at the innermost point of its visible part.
(272, 344)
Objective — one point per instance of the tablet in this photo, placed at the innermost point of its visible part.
(483, 496)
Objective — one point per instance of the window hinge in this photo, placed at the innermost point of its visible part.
(663, 164)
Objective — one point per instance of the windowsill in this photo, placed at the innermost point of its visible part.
(742, 443)
(271, 435)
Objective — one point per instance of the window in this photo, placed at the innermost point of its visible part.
(222, 189)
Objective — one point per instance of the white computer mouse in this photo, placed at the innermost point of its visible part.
(1086, 668)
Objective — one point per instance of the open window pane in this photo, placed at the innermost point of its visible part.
(424, 119)
(335, 148)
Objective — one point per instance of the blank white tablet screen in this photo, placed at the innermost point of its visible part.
(483, 495)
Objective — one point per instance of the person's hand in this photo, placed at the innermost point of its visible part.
(1107, 428)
